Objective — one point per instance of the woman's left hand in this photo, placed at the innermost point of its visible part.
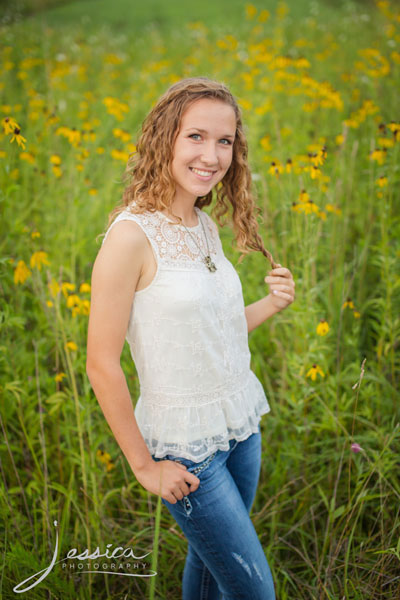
(282, 287)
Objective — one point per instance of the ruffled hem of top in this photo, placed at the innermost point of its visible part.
(195, 432)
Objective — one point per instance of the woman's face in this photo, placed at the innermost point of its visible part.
(202, 152)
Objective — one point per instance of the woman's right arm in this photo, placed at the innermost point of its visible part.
(115, 275)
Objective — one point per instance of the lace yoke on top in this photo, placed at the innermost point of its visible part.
(188, 338)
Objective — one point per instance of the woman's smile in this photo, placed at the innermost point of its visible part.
(202, 174)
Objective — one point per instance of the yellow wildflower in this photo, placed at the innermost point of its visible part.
(266, 142)
(35, 234)
(60, 376)
(378, 154)
(382, 181)
(251, 11)
(22, 272)
(28, 156)
(71, 346)
(348, 303)
(309, 207)
(85, 307)
(304, 197)
(67, 287)
(55, 159)
(9, 125)
(105, 458)
(332, 208)
(263, 16)
(386, 142)
(73, 300)
(18, 137)
(314, 371)
(85, 287)
(315, 172)
(322, 327)
(39, 258)
(356, 314)
(120, 155)
(54, 287)
(276, 168)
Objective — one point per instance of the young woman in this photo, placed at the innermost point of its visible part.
(161, 281)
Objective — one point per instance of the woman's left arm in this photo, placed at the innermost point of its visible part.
(281, 295)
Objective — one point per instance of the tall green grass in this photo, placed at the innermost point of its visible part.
(327, 515)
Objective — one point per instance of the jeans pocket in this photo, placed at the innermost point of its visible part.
(191, 465)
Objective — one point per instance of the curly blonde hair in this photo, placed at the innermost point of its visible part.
(151, 186)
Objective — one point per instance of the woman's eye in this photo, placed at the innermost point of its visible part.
(228, 142)
(192, 134)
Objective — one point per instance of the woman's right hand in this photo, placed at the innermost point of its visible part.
(166, 478)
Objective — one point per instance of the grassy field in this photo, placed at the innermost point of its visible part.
(318, 87)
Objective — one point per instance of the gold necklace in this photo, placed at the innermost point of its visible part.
(207, 259)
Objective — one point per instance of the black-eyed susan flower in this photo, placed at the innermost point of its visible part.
(386, 142)
(21, 272)
(38, 259)
(121, 134)
(120, 155)
(339, 139)
(105, 458)
(28, 157)
(322, 327)
(9, 124)
(395, 129)
(84, 287)
(304, 197)
(85, 307)
(35, 234)
(54, 287)
(17, 136)
(334, 209)
(67, 287)
(382, 181)
(379, 154)
(276, 169)
(266, 143)
(314, 371)
(251, 11)
(315, 172)
(348, 303)
(309, 207)
(55, 159)
(356, 314)
(71, 346)
(289, 165)
(60, 376)
(73, 300)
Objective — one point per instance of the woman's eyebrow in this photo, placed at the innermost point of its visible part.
(228, 135)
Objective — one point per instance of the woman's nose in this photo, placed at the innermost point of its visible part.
(209, 155)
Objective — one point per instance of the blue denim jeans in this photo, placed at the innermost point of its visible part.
(225, 559)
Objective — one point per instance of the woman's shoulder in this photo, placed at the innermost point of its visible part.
(129, 226)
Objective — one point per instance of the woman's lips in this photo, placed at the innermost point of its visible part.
(201, 173)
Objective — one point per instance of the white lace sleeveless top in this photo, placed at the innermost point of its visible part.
(189, 341)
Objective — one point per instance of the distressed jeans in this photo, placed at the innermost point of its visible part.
(225, 559)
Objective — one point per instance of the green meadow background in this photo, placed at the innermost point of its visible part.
(318, 84)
